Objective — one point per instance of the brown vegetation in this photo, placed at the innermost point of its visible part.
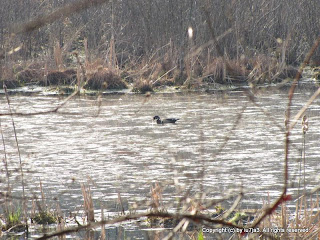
(105, 79)
(159, 50)
(61, 78)
(217, 71)
(142, 86)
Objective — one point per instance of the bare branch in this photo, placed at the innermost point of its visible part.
(62, 12)
(195, 218)
(54, 110)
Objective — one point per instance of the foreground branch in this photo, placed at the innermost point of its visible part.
(54, 110)
(195, 218)
(64, 11)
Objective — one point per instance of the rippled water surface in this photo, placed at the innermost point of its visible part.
(222, 143)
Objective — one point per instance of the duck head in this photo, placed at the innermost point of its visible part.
(157, 119)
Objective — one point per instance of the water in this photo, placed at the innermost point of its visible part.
(114, 146)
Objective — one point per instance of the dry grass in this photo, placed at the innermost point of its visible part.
(19, 74)
(105, 79)
(142, 86)
(268, 70)
(156, 198)
(88, 203)
(93, 66)
(61, 78)
(8, 77)
(304, 218)
(60, 227)
(29, 76)
(57, 53)
(217, 71)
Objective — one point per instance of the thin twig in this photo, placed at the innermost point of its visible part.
(227, 137)
(54, 110)
(283, 196)
(303, 109)
(5, 160)
(19, 153)
(234, 205)
(164, 75)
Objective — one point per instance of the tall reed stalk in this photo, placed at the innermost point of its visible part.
(305, 126)
(19, 155)
(103, 230)
(57, 52)
(88, 203)
(5, 161)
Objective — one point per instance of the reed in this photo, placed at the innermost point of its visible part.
(81, 72)
(86, 53)
(156, 198)
(143, 86)
(60, 227)
(5, 162)
(120, 204)
(103, 230)
(307, 216)
(57, 53)
(305, 127)
(41, 213)
(87, 202)
(19, 155)
(13, 219)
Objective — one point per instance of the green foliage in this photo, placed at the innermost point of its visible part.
(219, 209)
(13, 218)
(200, 235)
(44, 217)
(237, 217)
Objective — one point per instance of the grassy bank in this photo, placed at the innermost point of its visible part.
(146, 76)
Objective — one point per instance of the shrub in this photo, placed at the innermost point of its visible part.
(142, 86)
(61, 78)
(105, 79)
(44, 217)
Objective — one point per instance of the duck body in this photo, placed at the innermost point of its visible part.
(167, 120)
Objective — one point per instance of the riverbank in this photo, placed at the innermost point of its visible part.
(32, 89)
(95, 77)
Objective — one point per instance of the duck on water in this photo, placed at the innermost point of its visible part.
(167, 120)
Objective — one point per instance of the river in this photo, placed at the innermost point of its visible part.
(222, 144)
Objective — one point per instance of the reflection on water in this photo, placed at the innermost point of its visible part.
(120, 149)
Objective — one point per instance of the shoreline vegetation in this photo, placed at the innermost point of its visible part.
(97, 75)
(146, 45)
(212, 46)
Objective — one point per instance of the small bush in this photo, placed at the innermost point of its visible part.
(179, 77)
(7, 76)
(105, 79)
(29, 76)
(61, 78)
(10, 83)
(142, 86)
(268, 70)
(44, 217)
(12, 219)
(221, 70)
(126, 77)
(288, 72)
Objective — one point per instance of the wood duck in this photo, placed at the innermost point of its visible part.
(168, 120)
